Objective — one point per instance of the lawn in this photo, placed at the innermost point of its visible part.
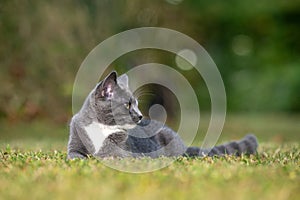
(33, 166)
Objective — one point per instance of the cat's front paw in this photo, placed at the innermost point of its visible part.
(117, 138)
(114, 146)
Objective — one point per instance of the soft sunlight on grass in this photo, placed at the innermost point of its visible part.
(273, 174)
(33, 165)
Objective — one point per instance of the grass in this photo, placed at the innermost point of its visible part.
(33, 165)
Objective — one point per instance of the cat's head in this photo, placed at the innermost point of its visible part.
(114, 103)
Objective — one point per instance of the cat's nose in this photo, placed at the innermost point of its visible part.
(140, 117)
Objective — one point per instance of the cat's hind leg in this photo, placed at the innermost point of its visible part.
(170, 142)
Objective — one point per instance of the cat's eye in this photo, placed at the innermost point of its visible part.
(127, 105)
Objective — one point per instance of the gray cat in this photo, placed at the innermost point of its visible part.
(110, 124)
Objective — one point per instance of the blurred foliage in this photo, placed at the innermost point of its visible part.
(255, 45)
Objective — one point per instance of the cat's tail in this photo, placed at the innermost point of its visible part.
(247, 145)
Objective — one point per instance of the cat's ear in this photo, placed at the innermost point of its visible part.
(123, 80)
(106, 88)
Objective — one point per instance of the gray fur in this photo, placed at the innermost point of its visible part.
(123, 81)
(112, 107)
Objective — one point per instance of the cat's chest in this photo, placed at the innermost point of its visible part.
(98, 132)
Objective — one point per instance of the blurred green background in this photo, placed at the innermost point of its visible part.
(255, 45)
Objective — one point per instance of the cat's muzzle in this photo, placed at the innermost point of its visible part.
(137, 119)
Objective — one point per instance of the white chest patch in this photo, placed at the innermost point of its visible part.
(98, 132)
